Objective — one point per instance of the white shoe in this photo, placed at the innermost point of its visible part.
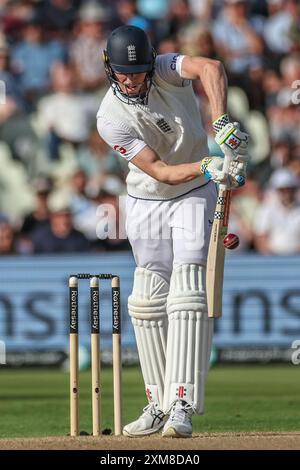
(151, 421)
(179, 423)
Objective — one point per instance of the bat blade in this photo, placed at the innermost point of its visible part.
(216, 255)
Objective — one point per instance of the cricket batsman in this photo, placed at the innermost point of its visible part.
(151, 117)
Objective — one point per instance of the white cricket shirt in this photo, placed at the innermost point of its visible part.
(170, 124)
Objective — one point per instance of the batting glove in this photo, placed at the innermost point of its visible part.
(212, 169)
(230, 136)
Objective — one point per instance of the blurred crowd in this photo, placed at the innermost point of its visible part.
(55, 170)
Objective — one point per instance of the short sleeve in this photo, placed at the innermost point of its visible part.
(119, 139)
(168, 68)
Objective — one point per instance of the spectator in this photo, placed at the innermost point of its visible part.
(33, 58)
(154, 9)
(128, 13)
(58, 15)
(281, 154)
(111, 221)
(277, 227)
(168, 45)
(17, 132)
(66, 114)
(271, 86)
(284, 114)
(126, 10)
(237, 43)
(39, 217)
(244, 205)
(14, 15)
(97, 160)
(195, 40)
(201, 10)
(7, 237)
(180, 16)
(7, 76)
(88, 45)
(279, 26)
(83, 209)
(290, 72)
(60, 236)
(157, 12)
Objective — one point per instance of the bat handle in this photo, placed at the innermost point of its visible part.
(228, 157)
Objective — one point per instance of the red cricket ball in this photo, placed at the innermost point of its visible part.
(231, 241)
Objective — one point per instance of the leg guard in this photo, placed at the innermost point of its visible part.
(189, 338)
(147, 308)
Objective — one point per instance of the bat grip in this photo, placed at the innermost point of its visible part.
(228, 157)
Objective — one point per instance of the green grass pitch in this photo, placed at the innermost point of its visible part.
(238, 399)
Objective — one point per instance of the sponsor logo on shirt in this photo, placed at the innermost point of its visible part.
(173, 62)
(119, 149)
(163, 125)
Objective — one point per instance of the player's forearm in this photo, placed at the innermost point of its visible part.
(148, 161)
(176, 174)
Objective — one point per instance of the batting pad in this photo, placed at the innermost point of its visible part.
(189, 338)
(147, 308)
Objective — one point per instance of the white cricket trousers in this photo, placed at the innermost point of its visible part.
(165, 234)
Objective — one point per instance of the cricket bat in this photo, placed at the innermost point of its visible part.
(216, 250)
